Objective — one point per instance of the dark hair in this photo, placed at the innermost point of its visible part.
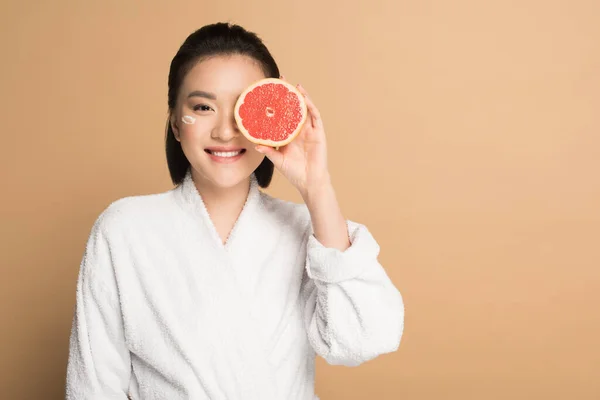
(208, 41)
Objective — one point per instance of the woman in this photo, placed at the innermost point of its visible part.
(214, 289)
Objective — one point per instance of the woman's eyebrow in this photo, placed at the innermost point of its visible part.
(201, 93)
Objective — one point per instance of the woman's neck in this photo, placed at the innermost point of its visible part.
(223, 205)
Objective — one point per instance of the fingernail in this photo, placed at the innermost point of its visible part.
(258, 149)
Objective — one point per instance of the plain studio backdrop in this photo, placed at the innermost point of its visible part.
(464, 134)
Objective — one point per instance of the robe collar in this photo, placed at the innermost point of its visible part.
(192, 202)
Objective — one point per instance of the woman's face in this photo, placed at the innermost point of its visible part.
(203, 120)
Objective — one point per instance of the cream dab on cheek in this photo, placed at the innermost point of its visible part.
(187, 119)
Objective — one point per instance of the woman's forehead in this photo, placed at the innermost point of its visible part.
(225, 76)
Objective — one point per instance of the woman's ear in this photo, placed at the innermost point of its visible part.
(174, 126)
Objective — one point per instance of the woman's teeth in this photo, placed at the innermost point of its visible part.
(225, 153)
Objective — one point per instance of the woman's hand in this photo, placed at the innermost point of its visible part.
(303, 161)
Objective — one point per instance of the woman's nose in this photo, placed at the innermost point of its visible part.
(226, 129)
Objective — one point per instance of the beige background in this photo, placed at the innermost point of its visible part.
(465, 134)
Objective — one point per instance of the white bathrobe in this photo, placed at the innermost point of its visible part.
(164, 310)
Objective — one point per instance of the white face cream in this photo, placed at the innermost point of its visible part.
(187, 119)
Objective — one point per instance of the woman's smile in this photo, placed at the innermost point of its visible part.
(226, 155)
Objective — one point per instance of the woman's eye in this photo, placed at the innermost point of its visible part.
(202, 107)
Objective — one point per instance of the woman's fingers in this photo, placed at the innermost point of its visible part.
(314, 112)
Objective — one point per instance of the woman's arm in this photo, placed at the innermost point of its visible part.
(99, 362)
(329, 225)
(353, 312)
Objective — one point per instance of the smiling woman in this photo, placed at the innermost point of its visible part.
(213, 145)
(214, 289)
(214, 95)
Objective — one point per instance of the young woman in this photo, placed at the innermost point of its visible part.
(214, 289)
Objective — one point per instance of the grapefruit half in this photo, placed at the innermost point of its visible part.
(270, 112)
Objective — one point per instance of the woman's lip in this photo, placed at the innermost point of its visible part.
(224, 149)
(225, 160)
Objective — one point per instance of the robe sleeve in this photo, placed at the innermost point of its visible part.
(352, 310)
(99, 365)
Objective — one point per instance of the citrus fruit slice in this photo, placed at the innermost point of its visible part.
(270, 112)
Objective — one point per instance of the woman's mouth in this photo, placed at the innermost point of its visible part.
(225, 155)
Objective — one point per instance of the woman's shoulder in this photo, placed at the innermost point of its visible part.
(134, 211)
(286, 212)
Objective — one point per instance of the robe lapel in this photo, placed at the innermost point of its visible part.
(242, 260)
(251, 241)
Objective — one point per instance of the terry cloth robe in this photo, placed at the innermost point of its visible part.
(165, 310)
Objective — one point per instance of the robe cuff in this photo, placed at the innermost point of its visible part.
(331, 265)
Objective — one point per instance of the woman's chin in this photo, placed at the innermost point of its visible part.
(224, 179)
